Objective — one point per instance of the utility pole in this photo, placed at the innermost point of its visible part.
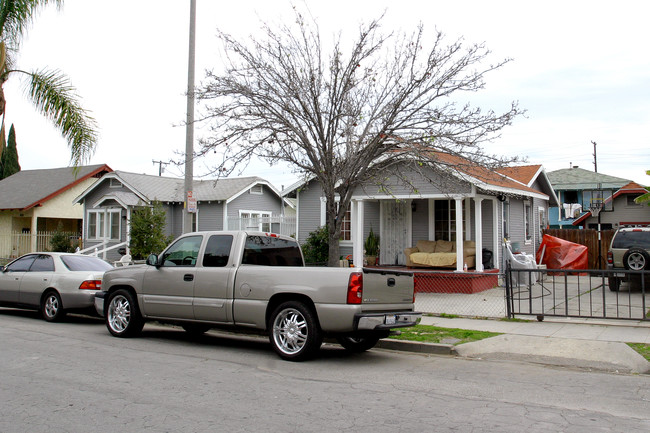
(189, 127)
(160, 166)
(595, 159)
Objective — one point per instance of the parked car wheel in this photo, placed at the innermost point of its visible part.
(123, 318)
(356, 343)
(614, 283)
(636, 259)
(294, 331)
(52, 307)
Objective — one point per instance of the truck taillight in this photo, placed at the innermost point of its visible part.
(610, 258)
(355, 288)
(91, 285)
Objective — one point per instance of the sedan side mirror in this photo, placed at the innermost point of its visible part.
(152, 260)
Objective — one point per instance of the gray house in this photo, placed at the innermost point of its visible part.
(223, 204)
(478, 204)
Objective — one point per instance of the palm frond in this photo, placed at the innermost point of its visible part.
(17, 15)
(54, 96)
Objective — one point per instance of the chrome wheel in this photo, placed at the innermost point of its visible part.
(123, 317)
(290, 331)
(119, 314)
(294, 331)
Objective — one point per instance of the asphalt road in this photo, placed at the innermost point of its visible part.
(75, 377)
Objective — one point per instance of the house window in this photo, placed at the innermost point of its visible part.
(257, 189)
(542, 221)
(528, 221)
(346, 227)
(631, 198)
(570, 196)
(445, 220)
(114, 183)
(104, 224)
(255, 220)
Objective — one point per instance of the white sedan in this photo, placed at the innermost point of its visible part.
(53, 283)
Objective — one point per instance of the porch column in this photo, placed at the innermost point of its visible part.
(478, 217)
(33, 239)
(459, 234)
(468, 212)
(357, 230)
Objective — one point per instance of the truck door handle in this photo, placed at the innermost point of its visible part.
(188, 277)
(391, 282)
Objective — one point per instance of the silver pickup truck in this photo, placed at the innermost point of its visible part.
(258, 282)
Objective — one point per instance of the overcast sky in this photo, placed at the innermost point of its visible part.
(580, 68)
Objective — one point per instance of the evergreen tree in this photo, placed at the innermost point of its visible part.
(147, 231)
(10, 164)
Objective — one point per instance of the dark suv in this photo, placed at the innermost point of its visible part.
(629, 250)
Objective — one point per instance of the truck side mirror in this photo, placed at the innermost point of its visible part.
(152, 260)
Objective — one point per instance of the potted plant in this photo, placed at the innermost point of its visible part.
(371, 247)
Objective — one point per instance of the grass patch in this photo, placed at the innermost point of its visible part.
(643, 349)
(434, 334)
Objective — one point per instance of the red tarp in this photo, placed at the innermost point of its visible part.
(560, 254)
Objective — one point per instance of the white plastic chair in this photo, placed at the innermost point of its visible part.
(522, 261)
(124, 261)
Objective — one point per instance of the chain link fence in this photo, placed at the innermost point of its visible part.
(466, 294)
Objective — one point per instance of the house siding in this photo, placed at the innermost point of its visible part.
(210, 216)
(309, 210)
(431, 184)
(267, 201)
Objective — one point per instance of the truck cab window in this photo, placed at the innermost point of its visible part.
(183, 252)
(270, 251)
(217, 251)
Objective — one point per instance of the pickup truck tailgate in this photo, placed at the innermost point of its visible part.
(385, 286)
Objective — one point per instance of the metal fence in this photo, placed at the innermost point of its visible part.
(15, 244)
(578, 293)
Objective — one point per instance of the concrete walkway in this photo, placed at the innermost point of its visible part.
(594, 345)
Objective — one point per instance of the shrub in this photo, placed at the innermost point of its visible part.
(316, 247)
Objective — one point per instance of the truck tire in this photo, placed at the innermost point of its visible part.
(294, 331)
(614, 283)
(636, 259)
(356, 343)
(123, 318)
(52, 307)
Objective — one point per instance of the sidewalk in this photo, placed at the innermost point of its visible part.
(562, 342)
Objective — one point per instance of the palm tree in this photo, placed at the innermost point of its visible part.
(49, 90)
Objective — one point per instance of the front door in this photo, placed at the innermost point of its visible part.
(395, 231)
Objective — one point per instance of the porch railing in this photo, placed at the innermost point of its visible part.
(15, 244)
(284, 225)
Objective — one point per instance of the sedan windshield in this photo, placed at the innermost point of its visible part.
(85, 263)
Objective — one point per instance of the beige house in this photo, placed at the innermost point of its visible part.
(34, 202)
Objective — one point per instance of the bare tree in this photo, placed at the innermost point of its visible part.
(347, 116)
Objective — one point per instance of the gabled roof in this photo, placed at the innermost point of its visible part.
(30, 188)
(168, 189)
(507, 180)
(579, 179)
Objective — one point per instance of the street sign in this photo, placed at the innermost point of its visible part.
(191, 202)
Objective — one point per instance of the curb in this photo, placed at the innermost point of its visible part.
(417, 347)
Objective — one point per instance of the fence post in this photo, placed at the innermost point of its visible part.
(509, 313)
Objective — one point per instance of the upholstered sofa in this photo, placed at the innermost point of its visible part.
(439, 254)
